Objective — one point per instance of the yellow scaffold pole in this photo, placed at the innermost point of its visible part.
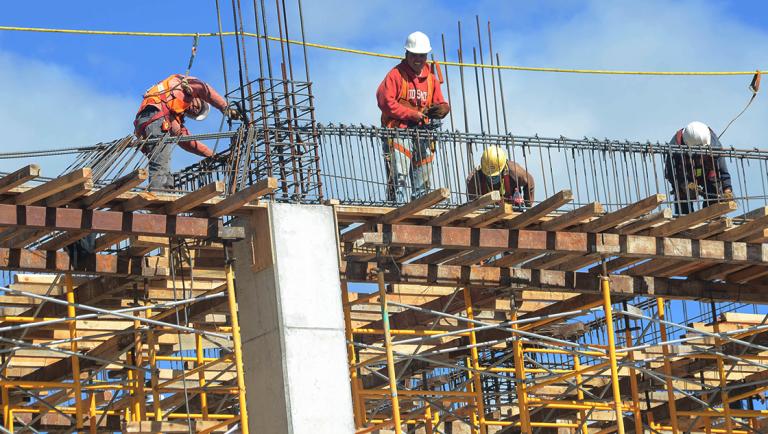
(357, 405)
(390, 357)
(606, 289)
(236, 343)
(667, 368)
(520, 386)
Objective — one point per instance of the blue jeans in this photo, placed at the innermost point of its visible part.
(408, 160)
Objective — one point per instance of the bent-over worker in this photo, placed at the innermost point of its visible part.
(498, 173)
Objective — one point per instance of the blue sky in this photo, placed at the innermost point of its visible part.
(63, 90)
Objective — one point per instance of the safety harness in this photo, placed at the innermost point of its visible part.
(391, 122)
(168, 97)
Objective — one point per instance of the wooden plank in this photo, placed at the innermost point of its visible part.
(645, 222)
(451, 216)
(19, 177)
(110, 192)
(57, 262)
(195, 198)
(236, 201)
(533, 214)
(709, 229)
(71, 194)
(689, 220)
(744, 230)
(490, 217)
(140, 201)
(573, 217)
(106, 241)
(50, 188)
(628, 212)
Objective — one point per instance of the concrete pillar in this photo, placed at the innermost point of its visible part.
(292, 323)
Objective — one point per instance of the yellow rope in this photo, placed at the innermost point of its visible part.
(373, 54)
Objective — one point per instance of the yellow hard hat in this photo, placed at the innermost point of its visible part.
(493, 161)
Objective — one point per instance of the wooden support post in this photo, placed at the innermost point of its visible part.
(669, 384)
(390, 357)
(638, 416)
(75, 360)
(721, 373)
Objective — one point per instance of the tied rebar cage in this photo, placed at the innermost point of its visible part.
(276, 138)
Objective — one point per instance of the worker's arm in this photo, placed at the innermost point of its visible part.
(194, 146)
(202, 90)
(387, 96)
(438, 99)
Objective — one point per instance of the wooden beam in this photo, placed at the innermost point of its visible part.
(613, 219)
(548, 280)
(236, 201)
(106, 241)
(533, 214)
(19, 177)
(573, 217)
(709, 229)
(110, 192)
(195, 198)
(644, 222)
(744, 230)
(490, 217)
(58, 262)
(451, 216)
(50, 188)
(689, 220)
(73, 193)
(637, 246)
(64, 219)
(140, 201)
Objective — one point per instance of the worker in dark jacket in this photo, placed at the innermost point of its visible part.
(498, 173)
(694, 172)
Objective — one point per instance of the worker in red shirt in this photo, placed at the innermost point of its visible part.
(409, 97)
(162, 111)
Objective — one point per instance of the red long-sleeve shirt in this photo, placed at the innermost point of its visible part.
(198, 89)
(389, 91)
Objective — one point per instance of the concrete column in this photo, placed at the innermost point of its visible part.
(292, 323)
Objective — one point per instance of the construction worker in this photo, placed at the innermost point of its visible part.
(409, 97)
(162, 111)
(497, 172)
(697, 172)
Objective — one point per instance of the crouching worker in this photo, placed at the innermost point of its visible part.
(162, 111)
(695, 172)
(498, 173)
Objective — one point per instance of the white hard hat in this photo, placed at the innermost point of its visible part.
(418, 43)
(697, 134)
(205, 108)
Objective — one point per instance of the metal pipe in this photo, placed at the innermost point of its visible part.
(606, 289)
(236, 342)
(390, 357)
(75, 360)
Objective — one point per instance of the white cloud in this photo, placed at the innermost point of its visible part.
(46, 106)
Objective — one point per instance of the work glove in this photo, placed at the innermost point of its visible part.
(232, 114)
(693, 186)
(438, 111)
(728, 195)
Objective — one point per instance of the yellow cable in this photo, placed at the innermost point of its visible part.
(373, 54)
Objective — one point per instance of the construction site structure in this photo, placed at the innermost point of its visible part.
(279, 289)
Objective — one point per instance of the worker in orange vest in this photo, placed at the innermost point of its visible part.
(409, 97)
(162, 111)
(498, 173)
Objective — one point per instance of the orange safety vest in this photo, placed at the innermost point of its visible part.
(169, 98)
(390, 122)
